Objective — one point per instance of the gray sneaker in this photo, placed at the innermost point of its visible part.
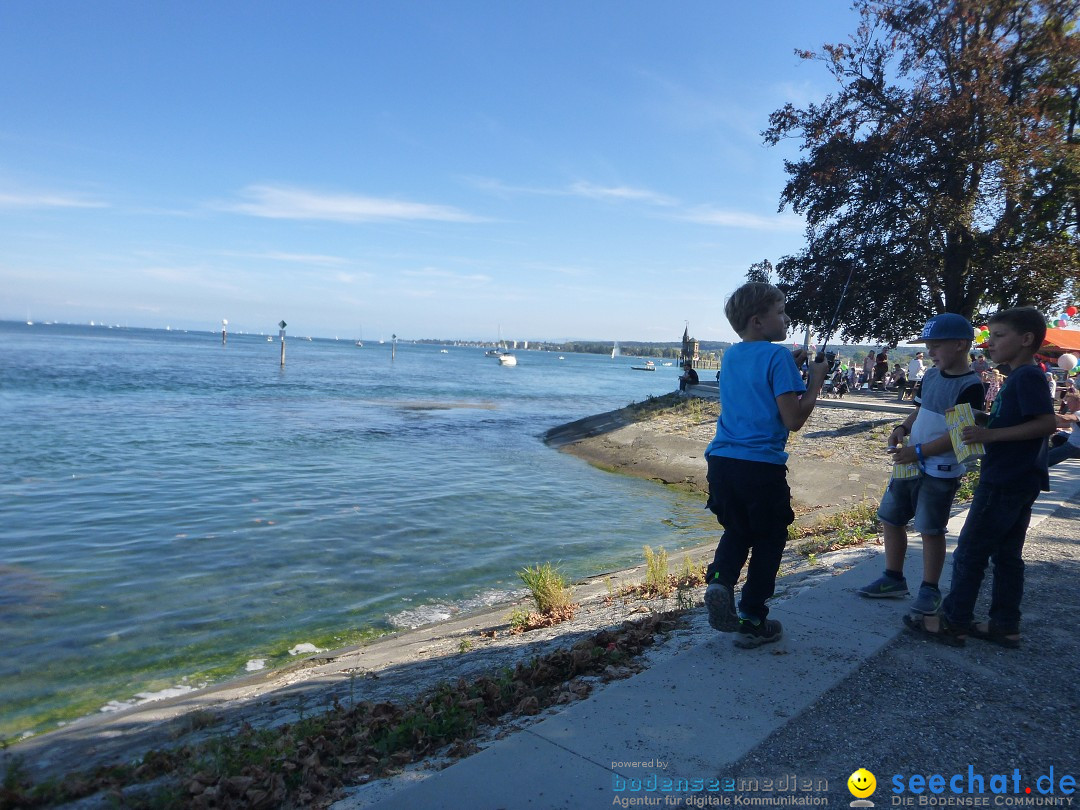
(885, 587)
(928, 602)
(754, 634)
(720, 601)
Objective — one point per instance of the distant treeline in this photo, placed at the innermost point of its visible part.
(670, 350)
(708, 350)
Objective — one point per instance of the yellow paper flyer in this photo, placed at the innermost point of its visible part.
(906, 470)
(957, 419)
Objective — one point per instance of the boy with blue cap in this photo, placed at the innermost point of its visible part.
(929, 497)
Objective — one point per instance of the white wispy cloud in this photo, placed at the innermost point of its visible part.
(596, 192)
(283, 202)
(743, 220)
(46, 199)
(436, 274)
(581, 188)
(297, 258)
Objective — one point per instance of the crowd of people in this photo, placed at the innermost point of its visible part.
(767, 391)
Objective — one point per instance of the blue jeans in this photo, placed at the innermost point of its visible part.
(752, 501)
(1062, 452)
(995, 528)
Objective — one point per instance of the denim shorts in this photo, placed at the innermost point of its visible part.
(926, 498)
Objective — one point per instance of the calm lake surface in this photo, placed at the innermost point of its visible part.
(174, 512)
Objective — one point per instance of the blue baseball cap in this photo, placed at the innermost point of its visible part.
(947, 326)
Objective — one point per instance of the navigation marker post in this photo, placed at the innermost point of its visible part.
(393, 347)
(224, 325)
(282, 325)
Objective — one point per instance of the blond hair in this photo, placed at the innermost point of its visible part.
(752, 298)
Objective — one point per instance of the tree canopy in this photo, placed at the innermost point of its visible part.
(944, 173)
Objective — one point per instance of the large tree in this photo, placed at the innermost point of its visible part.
(944, 173)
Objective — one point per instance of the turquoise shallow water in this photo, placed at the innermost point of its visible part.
(174, 512)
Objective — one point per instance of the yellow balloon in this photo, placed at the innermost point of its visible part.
(861, 783)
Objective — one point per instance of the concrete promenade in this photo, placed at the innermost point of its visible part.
(705, 710)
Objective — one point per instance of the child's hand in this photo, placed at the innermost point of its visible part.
(896, 437)
(904, 455)
(819, 369)
(799, 355)
(975, 434)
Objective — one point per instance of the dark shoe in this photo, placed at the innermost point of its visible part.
(754, 633)
(720, 602)
(946, 632)
(1010, 639)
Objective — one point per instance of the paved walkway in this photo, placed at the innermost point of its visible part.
(697, 712)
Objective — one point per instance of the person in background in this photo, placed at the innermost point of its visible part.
(1071, 419)
(867, 368)
(762, 399)
(1052, 383)
(916, 368)
(994, 379)
(881, 367)
(689, 376)
(897, 379)
(979, 364)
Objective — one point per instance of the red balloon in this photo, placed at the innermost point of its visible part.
(1071, 311)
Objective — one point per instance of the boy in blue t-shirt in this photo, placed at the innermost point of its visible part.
(1013, 472)
(762, 398)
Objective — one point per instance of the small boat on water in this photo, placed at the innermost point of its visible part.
(507, 359)
(649, 366)
(444, 351)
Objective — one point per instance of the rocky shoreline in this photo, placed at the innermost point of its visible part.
(836, 460)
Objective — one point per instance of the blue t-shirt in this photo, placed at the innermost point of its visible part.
(1024, 395)
(752, 376)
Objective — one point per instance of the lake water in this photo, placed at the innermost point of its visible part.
(174, 512)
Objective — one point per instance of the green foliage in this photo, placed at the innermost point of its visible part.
(942, 174)
(547, 587)
(849, 527)
(968, 482)
(657, 577)
(519, 620)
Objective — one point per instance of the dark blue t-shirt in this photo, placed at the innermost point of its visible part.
(1024, 395)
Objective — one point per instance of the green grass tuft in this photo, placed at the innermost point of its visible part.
(547, 587)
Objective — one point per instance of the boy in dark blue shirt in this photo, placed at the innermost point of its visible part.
(1013, 472)
(762, 398)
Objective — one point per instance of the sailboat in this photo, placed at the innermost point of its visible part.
(506, 358)
(615, 350)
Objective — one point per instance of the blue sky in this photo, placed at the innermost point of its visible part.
(551, 170)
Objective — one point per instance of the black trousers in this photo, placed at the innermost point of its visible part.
(752, 501)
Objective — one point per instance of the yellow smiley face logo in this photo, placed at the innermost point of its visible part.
(861, 783)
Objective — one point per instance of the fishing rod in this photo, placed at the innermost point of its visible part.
(888, 158)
